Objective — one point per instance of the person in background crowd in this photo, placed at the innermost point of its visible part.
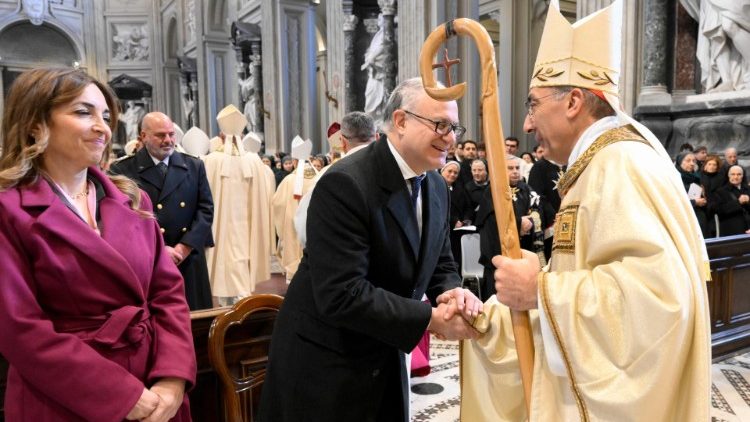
(469, 155)
(178, 186)
(531, 219)
(528, 158)
(459, 152)
(450, 173)
(711, 180)
(481, 151)
(269, 161)
(287, 166)
(543, 179)
(733, 204)
(474, 190)
(686, 147)
(451, 153)
(538, 152)
(457, 196)
(685, 164)
(317, 163)
(700, 156)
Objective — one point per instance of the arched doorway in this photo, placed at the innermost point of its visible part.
(25, 46)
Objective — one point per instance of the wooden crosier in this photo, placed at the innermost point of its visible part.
(493, 136)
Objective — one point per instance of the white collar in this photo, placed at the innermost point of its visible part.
(156, 162)
(590, 135)
(406, 171)
(355, 149)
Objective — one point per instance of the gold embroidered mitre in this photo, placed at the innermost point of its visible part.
(585, 54)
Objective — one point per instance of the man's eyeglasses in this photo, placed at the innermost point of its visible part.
(442, 128)
(532, 103)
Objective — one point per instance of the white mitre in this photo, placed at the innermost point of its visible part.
(195, 141)
(232, 122)
(587, 55)
(301, 152)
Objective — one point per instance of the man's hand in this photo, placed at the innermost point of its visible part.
(460, 300)
(515, 280)
(176, 256)
(183, 250)
(526, 225)
(455, 328)
(144, 407)
(170, 392)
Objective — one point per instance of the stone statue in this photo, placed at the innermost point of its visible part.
(247, 92)
(188, 104)
(130, 119)
(723, 42)
(375, 95)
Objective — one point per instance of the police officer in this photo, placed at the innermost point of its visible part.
(179, 192)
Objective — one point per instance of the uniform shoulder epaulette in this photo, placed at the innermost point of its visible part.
(123, 158)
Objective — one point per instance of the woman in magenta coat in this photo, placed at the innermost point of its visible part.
(92, 311)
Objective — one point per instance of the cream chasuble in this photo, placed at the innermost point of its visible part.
(242, 187)
(624, 298)
(284, 209)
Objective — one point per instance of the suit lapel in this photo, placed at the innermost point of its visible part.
(176, 174)
(62, 222)
(432, 222)
(398, 202)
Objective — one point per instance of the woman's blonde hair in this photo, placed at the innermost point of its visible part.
(25, 126)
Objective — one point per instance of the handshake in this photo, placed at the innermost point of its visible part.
(453, 317)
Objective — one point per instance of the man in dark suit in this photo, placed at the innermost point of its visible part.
(353, 309)
(178, 188)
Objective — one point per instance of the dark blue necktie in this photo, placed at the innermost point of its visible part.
(162, 166)
(416, 184)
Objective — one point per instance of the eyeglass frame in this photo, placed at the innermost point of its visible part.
(531, 104)
(452, 126)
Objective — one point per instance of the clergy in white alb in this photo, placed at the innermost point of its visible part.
(242, 187)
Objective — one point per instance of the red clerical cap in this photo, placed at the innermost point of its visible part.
(335, 127)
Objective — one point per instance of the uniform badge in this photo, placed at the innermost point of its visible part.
(565, 229)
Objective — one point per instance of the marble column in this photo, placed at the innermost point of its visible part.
(255, 68)
(350, 25)
(388, 8)
(685, 43)
(411, 36)
(654, 89)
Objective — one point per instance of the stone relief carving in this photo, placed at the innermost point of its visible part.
(130, 43)
(35, 10)
(723, 48)
(190, 21)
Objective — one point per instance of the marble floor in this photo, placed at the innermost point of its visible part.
(435, 397)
